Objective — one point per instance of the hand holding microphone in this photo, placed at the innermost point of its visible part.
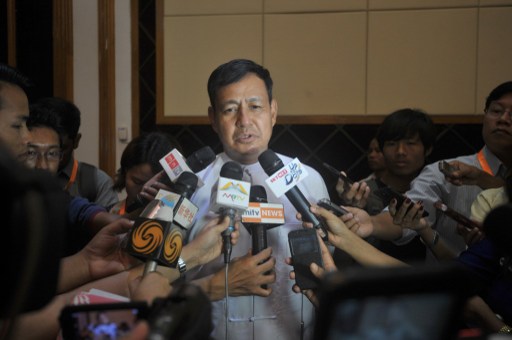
(174, 164)
(208, 244)
(157, 236)
(230, 197)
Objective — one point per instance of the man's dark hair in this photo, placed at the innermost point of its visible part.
(66, 112)
(234, 70)
(406, 123)
(12, 76)
(498, 92)
(148, 148)
(43, 116)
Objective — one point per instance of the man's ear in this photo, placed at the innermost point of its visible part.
(211, 117)
(273, 111)
(76, 141)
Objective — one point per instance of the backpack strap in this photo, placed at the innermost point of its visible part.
(87, 180)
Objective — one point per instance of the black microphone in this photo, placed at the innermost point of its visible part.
(271, 164)
(260, 217)
(184, 211)
(229, 197)
(200, 159)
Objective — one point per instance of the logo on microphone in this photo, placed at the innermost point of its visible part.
(269, 213)
(235, 186)
(294, 174)
(232, 193)
(286, 178)
(173, 245)
(239, 191)
(147, 237)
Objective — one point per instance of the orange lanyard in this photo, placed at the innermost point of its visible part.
(72, 178)
(122, 209)
(483, 162)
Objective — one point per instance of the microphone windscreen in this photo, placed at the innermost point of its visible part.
(232, 170)
(270, 162)
(258, 194)
(200, 159)
(185, 184)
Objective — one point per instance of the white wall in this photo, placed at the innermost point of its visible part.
(85, 85)
(123, 74)
(86, 77)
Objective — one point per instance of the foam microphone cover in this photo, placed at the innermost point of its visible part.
(258, 194)
(200, 159)
(270, 162)
(232, 170)
(185, 184)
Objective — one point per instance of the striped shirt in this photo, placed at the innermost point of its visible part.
(431, 186)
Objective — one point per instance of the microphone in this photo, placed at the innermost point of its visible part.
(261, 216)
(174, 164)
(157, 235)
(153, 239)
(284, 179)
(184, 211)
(229, 197)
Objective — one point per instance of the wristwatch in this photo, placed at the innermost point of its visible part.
(505, 329)
(182, 266)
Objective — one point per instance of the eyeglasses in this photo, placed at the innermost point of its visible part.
(496, 110)
(52, 155)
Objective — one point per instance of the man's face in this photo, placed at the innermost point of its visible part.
(43, 149)
(375, 157)
(13, 116)
(497, 125)
(404, 157)
(135, 179)
(244, 118)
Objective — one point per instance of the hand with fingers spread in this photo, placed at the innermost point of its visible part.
(101, 257)
(408, 215)
(247, 275)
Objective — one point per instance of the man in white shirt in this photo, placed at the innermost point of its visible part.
(261, 304)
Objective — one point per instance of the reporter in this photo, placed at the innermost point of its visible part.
(100, 258)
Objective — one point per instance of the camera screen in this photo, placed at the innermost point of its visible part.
(104, 324)
(405, 316)
(304, 245)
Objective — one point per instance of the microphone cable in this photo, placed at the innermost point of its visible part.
(226, 305)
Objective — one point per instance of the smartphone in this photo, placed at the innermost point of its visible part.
(455, 215)
(109, 320)
(305, 249)
(446, 168)
(347, 182)
(334, 208)
(387, 194)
